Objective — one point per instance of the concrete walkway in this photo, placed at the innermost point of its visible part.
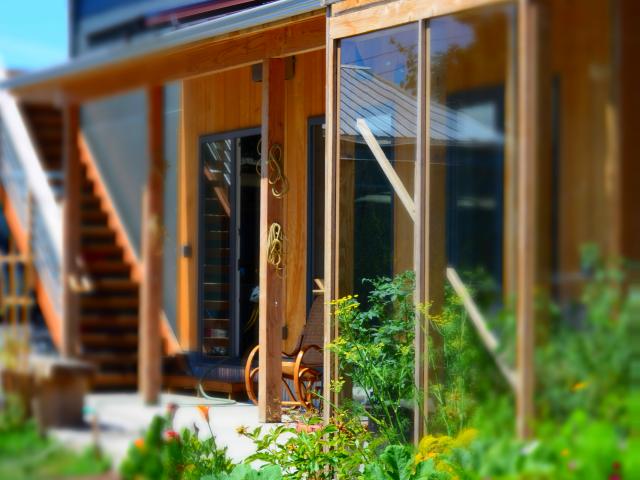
(122, 418)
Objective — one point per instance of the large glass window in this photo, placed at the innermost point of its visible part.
(471, 207)
(471, 201)
(378, 129)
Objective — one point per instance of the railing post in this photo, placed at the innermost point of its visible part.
(71, 232)
(149, 336)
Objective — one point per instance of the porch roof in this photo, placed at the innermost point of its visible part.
(58, 82)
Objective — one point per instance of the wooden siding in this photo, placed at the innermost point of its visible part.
(304, 99)
(228, 101)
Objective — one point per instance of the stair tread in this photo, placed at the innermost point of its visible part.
(114, 379)
(108, 302)
(115, 340)
(110, 357)
(115, 284)
(109, 320)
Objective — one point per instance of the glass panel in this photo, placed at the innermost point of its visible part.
(248, 235)
(585, 294)
(472, 206)
(216, 177)
(378, 75)
(316, 199)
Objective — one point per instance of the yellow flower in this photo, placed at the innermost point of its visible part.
(565, 452)
(242, 430)
(580, 386)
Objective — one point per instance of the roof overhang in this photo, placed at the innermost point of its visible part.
(277, 29)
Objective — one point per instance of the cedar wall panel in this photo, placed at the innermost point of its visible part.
(305, 99)
(229, 101)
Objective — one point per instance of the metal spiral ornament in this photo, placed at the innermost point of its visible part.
(277, 179)
(275, 247)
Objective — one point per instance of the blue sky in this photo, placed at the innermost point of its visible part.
(33, 33)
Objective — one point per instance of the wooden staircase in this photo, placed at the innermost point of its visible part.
(109, 307)
(45, 125)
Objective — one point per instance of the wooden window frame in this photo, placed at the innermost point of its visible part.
(364, 16)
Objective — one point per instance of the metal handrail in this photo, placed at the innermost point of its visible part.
(36, 177)
(24, 178)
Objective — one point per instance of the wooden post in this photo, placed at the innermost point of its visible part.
(527, 156)
(271, 306)
(421, 234)
(71, 231)
(149, 336)
(330, 237)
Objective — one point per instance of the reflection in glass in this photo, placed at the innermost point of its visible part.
(471, 207)
(469, 76)
(378, 75)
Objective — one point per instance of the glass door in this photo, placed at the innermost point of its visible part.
(229, 243)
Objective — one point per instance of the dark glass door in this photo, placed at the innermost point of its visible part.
(229, 243)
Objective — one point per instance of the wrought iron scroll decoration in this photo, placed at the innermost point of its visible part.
(276, 248)
(277, 179)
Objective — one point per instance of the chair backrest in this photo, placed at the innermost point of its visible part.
(313, 332)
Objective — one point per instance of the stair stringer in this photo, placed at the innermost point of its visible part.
(51, 317)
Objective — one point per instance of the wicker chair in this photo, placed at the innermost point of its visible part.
(302, 368)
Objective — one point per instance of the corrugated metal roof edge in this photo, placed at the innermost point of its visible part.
(263, 14)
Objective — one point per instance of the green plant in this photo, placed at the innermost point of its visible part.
(375, 350)
(245, 472)
(397, 462)
(26, 454)
(165, 454)
(586, 362)
(314, 450)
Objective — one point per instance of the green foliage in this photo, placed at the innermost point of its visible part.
(314, 450)
(12, 416)
(375, 349)
(586, 361)
(245, 472)
(164, 455)
(25, 454)
(397, 463)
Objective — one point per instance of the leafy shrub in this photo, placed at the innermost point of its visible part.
(166, 455)
(314, 450)
(375, 350)
(245, 472)
(398, 462)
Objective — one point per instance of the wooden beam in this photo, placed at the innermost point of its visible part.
(149, 337)
(421, 233)
(71, 231)
(391, 14)
(526, 264)
(387, 168)
(482, 329)
(271, 305)
(296, 36)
